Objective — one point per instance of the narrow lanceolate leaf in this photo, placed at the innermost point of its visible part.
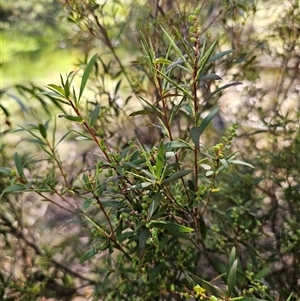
(251, 299)
(19, 165)
(142, 112)
(89, 254)
(231, 277)
(206, 56)
(140, 185)
(56, 89)
(95, 114)
(219, 55)
(210, 77)
(213, 289)
(71, 117)
(43, 131)
(172, 227)
(145, 233)
(176, 175)
(197, 131)
(154, 204)
(262, 273)
(222, 88)
(14, 188)
(86, 74)
(224, 163)
(159, 160)
(238, 162)
(177, 144)
(202, 227)
(231, 259)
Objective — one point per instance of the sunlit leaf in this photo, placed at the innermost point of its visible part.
(240, 163)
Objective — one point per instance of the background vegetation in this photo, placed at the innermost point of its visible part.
(130, 186)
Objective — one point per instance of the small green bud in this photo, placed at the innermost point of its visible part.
(192, 18)
(192, 29)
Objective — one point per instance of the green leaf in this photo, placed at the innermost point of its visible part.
(232, 257)
(112, 204)
(222, 88)
(71, 117)
(177, 175)
(212, 289)
(37, 141)
(142, 112)
(162, 61)
(231, 277)
(262, 273)
(289, 297)
(173, 227)
(43, 131)
(219, 55)
(205, 57)
(210, 77)
(251, 299)
(224, 163)
(159, 160)
(14, 188)
(87, 255)
(7, 172)
(19, 165)
(145, 233)
(197, 131)
(95, 114)
(202, 227)
(153, 107)
(240, 163)
(177, 50)
(87, 204)
(57, 90)
(140, 186)
(154, 204)
(86, 74)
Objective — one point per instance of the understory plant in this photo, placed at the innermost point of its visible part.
(148, 208)
(152, 198)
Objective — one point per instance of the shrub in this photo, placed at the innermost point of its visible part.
(168, 210)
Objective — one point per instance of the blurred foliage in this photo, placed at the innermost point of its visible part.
(246, 240)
